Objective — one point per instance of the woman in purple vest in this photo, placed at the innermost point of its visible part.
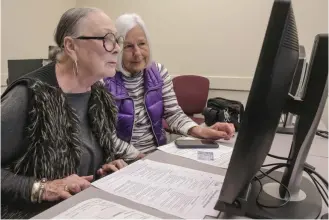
(144, 94)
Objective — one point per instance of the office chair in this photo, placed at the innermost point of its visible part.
(18, 68)
(192, 94)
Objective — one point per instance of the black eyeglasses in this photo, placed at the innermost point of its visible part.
(109, 41)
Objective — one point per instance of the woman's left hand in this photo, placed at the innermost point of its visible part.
(111, 167)
(217, 131)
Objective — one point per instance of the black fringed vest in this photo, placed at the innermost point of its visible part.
(52, 133)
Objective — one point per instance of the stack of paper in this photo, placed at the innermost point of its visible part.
(219, 157)
(101, 209)
(179, 191)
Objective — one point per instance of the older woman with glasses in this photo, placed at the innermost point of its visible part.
(144, 94)
(58, 122)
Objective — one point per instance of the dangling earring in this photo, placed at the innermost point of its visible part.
(75, 70)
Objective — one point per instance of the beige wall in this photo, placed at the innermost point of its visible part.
(216, 38)
(27, 28)
(219, 39)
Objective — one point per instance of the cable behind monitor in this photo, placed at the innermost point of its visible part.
(321, 189)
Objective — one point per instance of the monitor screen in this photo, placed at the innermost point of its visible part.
(271, 83)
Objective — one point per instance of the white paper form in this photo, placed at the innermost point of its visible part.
(97, 208)
(221, 155)
(179, 191)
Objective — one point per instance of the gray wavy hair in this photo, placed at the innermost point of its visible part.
(68, 25)
(125, 23)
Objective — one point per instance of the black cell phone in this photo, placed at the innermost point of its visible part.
(202, 144)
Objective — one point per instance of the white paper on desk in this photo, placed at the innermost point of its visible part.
(97, 208)
(222, 155)
(179, 191)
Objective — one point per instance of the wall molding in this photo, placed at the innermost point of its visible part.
(235, 83)
(4, 77)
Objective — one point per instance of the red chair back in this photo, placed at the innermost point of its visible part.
(191, 92)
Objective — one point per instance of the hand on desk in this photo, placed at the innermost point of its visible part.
(111, 167)
(60, 189)
(115, 166)
(217, 131)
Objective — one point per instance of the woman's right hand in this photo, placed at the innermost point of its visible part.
(61, 189)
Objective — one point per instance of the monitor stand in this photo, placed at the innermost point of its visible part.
(305, 204)
(306, 200)
(287, 127)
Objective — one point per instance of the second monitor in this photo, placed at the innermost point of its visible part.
(243, 192)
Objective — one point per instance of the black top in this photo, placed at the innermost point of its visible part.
(14, 111)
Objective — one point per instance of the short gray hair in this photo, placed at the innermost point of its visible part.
(68, 25)
(124, 24)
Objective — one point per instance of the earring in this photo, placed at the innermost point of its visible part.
(75, 70)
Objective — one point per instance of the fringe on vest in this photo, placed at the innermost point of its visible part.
(52, 137)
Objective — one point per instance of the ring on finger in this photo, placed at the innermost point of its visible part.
(66, 188)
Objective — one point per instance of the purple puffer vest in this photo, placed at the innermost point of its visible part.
(153, 101)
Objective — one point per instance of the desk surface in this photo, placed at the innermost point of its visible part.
(318, 157)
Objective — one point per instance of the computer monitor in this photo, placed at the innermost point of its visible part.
(267, 99)
(309, 112)
(297, 89)
(298, 82)
(18, 68)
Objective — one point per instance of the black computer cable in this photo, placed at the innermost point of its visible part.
(322, 133)
(308, 170)
(307, 167)
(323, 193)
(317, 184)
(287, 159)
(279, 165)
(276, 166)
(277, 157)
(261, 189)
(325, 182)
